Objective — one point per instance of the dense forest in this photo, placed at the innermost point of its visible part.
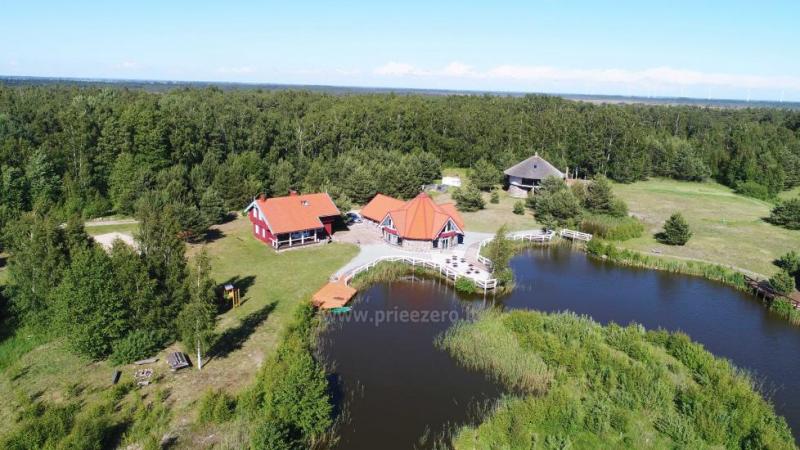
(96, 151)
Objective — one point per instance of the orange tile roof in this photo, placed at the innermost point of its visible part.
(297, 212)
(379, 206)
(333, 295)
(421, 218)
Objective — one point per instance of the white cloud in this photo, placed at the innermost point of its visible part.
(239, 70)
(127, 65)
(652, 77)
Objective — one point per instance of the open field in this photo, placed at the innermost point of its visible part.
(271, 285)
(494, 215)
(791, 193)
(121, 228)
(728, 228)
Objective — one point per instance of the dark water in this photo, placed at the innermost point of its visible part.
(399, 385)
(408, 385)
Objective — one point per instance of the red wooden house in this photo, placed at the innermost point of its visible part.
(292, 220)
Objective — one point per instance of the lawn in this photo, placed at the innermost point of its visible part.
(791, 193)
(129, 228)
(728, 228)
(272, 285)
(488, 220)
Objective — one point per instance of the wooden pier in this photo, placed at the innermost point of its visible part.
(763, 290)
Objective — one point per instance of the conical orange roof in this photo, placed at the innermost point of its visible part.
(421, 218)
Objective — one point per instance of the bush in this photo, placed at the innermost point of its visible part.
(555, 204)
(789, 262)
(612, 228)
(753, 189)
(216, 407)
(468, 199)
(676, 231)
(274, 435)
(519, 207)
(465, 285)
(782, 282)
(787, 214)
(495, 197)
(137, 345)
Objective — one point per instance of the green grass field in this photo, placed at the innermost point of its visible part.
(121, 228)
(728, 228)
(272, 285)
(488, 220)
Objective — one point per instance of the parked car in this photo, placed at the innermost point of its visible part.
(353, 217)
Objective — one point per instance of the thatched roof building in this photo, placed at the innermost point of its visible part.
(526, 175)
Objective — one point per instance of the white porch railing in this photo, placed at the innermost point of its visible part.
(485, 284)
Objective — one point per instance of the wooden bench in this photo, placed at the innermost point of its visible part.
(177, 360)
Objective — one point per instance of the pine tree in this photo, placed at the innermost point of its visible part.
(163, 252)
(676, 231)
(484, 175)
(787, 214)
(89, 306)
(137, 287)
(196, 319)
(39, 256)
(468, 198)
(212, 207)
(599, 198)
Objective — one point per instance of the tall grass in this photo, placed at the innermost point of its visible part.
(608, 387)
(632, 258)
(489, 346)
(612, 228)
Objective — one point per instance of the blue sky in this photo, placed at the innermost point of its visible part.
(732, 49)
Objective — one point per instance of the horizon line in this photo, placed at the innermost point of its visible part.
(390, 89)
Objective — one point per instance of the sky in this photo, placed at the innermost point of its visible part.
(704, 49)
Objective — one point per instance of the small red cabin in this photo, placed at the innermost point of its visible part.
(292, 220)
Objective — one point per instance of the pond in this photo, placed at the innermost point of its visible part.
(403, 392)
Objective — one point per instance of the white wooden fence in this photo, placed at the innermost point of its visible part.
(485, 284)
(530, 236)
(575, 235)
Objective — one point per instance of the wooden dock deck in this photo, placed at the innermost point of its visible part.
(762, 289)
(333, 295)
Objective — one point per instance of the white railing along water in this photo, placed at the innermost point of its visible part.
(485, 284)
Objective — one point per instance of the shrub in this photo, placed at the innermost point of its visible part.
(789, 262)
(787, 214)
(782, 282)
(676, 231)
(753, 189)
(468, 198)
(495, 197)
(216, 407)
(465, 285)
(519, 207)
(274, 435)
(613, 228)
(555, 204)
(137, 345)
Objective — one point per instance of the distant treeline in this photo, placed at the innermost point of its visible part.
(98, 150)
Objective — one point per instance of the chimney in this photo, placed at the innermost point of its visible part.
(292, 193)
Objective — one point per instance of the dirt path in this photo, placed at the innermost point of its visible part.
(104, 222)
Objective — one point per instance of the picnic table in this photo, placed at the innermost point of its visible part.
(177, 360)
